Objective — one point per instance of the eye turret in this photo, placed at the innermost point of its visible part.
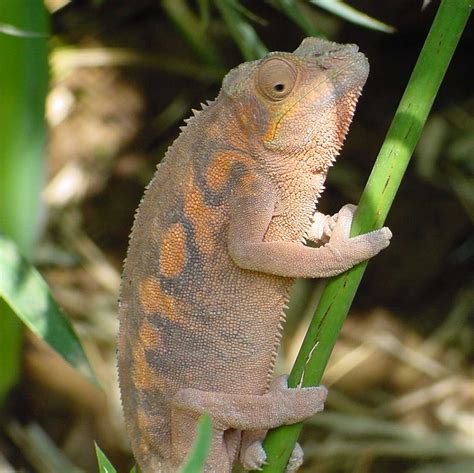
(276, 79)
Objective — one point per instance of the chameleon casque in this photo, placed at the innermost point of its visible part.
(217, 241)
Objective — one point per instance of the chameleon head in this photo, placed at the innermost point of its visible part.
(302, 102)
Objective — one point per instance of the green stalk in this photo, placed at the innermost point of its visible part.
(23, 86)
(375, 203)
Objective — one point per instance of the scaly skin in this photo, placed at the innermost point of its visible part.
(217, 241)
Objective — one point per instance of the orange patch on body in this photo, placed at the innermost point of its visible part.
(156, 303)
(202, 217)
(220, 167)
(218, 171)
(149, 336)
(173, 251)
(141, 372)
(144, 377)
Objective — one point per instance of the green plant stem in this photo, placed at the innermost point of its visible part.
(23, 85)
(375, 203)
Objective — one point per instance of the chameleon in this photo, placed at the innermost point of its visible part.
(218, 239)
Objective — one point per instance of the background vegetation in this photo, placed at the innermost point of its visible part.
(123, 76)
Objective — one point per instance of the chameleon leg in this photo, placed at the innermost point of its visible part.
(253, 412)
(252, 454)
(245, 412)
(250, 221)
(232, 439)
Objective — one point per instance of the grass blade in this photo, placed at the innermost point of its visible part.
(192, 29)
(197, 456)
(292, 10)
(204, 12)
(14, 31)
(351, 14)
(374, 205)
(241, 30)
(104, 463)
(27, 294)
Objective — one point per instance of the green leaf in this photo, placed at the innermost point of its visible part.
(11, 343)
(28, 295)
(351, 14)
(204, 12)
(23, 85)
(248, 13)
(241, 30)
(293, 11)
(196, 458)
(14, 31)
(193, 29)
(104, 463)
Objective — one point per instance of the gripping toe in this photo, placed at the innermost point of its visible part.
(254, 456)
(296, 459)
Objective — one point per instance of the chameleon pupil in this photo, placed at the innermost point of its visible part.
(279, 87)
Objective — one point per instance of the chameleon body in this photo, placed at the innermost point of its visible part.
(217, 241)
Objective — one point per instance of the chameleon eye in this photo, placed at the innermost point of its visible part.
(276, 78)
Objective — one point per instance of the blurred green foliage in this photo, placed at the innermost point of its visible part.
(23, 85)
